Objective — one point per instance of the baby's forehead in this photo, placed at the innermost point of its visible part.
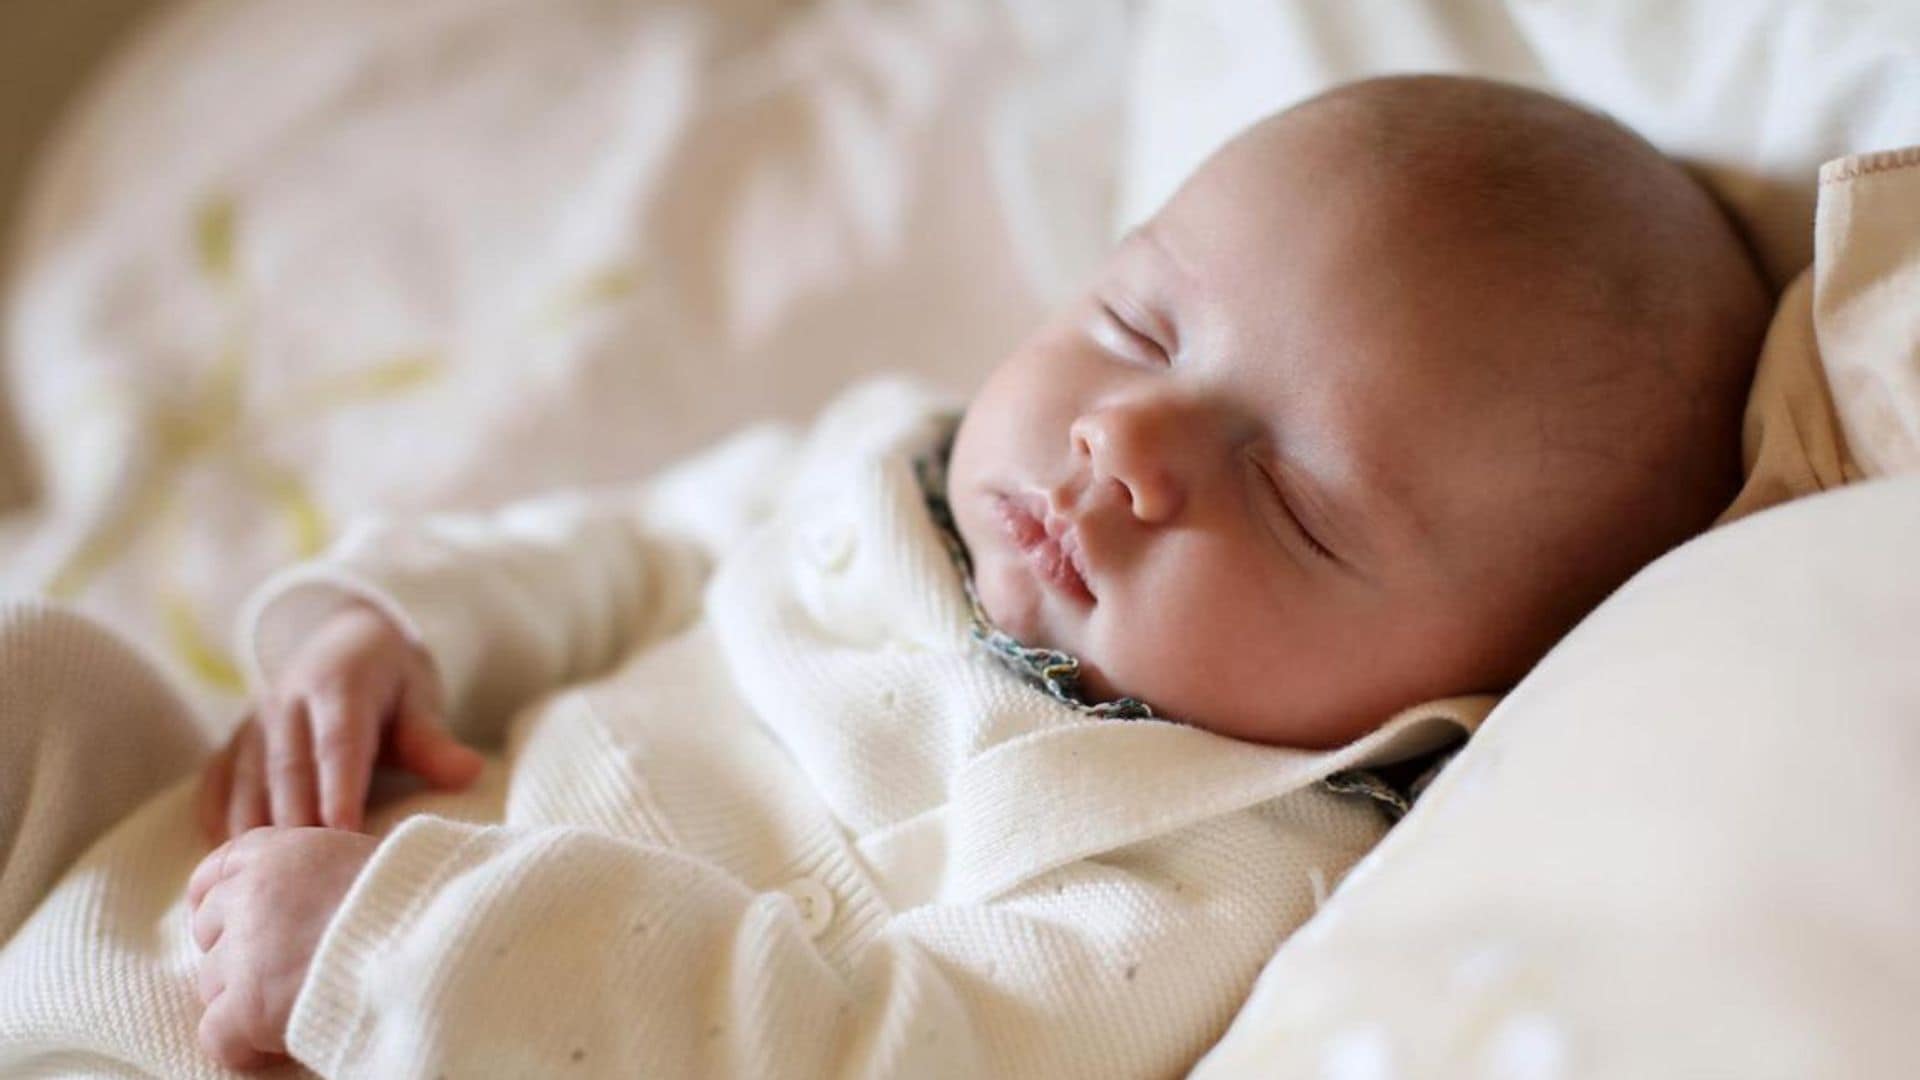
(1475, 179)
(1401, 342)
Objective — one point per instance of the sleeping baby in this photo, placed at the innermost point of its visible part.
(924, 744)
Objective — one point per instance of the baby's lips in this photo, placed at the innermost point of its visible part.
(1023, 518)
(1072, 550)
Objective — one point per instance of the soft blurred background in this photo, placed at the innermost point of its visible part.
(48, 48)
(275, 264)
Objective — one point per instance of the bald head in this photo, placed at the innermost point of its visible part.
(1522, 179)
(1640, 306)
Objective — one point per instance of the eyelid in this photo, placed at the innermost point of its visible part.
(1127, 338)
(1293, 516)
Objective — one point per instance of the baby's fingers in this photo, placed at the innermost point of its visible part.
(209, 980)
(209, 919)
(223, 1034)
(346, 737)
(211, 871)
(290, 781)
(216, 781)
(424, 748)
(247, 795)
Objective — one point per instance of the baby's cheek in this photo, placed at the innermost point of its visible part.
(1215, 657)
(1161, 655)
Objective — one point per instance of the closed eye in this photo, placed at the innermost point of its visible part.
(1298, 527)
(1117, 335)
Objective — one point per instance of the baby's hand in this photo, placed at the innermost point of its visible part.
(260, 904)
(355, 692)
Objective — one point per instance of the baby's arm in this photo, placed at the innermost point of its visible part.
(538, 594)
(404, 623)
(466, 949)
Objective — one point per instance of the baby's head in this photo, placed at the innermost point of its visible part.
(1397, 387)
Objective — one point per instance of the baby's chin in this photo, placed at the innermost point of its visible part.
(1012, 603)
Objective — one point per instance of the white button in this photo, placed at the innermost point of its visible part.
(814, 901)
(830, 544)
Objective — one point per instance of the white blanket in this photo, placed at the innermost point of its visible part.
(293, 262)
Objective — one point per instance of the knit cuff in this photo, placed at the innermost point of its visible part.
(287, 609)
(331, 1014)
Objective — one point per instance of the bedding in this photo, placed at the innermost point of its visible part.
(1684, 847)
(293, 262)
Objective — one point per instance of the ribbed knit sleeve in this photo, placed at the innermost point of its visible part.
(515, 951)
(523, 599)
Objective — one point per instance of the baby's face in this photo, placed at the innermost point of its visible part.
(1247, 476)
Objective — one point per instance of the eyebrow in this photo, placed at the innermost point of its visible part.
(1157, 315)
(1148, 233)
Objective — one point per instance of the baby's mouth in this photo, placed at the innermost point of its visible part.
(1050, 542)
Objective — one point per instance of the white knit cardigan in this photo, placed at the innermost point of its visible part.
(783, 819)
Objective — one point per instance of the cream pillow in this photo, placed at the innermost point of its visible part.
(1684, 846)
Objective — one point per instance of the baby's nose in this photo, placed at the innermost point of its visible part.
(1136, 444)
